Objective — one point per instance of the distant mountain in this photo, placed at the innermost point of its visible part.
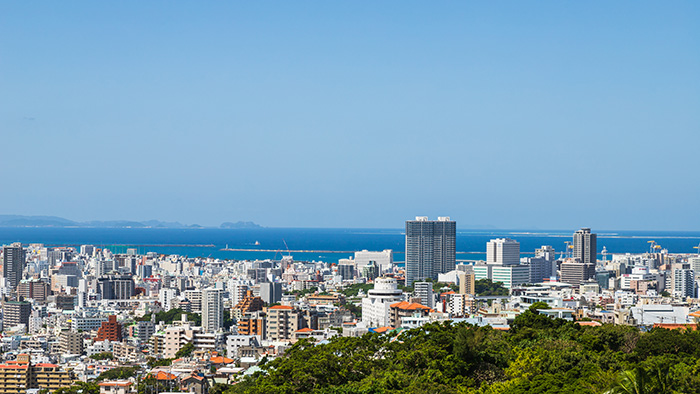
(54, 221)
(35, 221)
(240, 225)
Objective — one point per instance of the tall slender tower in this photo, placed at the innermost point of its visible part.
(14, 260)
(585, 246)
(430, 248)
(212, 309)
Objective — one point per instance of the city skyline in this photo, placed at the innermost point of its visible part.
(505, 115)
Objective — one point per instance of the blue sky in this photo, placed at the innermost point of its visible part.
(353, 114)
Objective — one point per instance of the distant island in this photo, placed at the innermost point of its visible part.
(55, 221)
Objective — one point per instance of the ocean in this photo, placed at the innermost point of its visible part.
(315, 244)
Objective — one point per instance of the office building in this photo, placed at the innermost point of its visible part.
(430, 248)
(35, 289)
(510, 275)
(13, 262)
(503, 251)
(585, 246)
(116, 287)
(385, 258)
(575, 272)
(424, 291)
(167, 297)
(212, 309)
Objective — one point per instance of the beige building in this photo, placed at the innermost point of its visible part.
(70, 342)
(19, 375)
(282, 322)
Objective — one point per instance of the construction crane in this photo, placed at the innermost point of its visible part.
(651, 246)
(569, 248)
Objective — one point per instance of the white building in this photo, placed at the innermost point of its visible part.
(212, 309)
(510, 275)
(376, 306)
(503, 251)
(385, 259)
(166, 297)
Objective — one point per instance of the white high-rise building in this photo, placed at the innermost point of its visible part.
(166, 297)
(384, 259)
(375, 307)
(504, 251)
(430, 248)
(212, 309)
(684, 283)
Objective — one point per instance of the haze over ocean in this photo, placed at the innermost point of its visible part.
(208, 242)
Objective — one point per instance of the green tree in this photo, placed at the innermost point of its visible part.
(117, 373)
(102, 356)
(185, 351)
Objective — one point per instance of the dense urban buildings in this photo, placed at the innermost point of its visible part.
(70, 305)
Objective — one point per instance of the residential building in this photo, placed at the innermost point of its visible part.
(403, 309)
(21, 375)
(510, 275)
(110, 330)
(212, 309)
(248, 304)
(430, 248)
(70, 342)
(467, 283)
(282, 322)
(253, 323)
(13, 263)
(424, 291)
(684, 283)
(15, 313)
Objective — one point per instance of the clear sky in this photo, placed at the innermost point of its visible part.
(550, 114)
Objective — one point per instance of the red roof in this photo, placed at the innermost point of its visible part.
(221, 360)
(285, 307)
(672, 326)
(162, 375)
(409, 305)
(305, 330)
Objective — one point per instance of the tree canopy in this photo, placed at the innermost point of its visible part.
(538, 354)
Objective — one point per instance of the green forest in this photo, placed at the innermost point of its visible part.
(537, 355)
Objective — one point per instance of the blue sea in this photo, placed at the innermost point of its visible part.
(324, 244)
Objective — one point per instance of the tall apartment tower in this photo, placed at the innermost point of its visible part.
(212, 309)
(585, 248)
(430, 248)
(14, 260)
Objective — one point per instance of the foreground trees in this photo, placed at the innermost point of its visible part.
(538, 355)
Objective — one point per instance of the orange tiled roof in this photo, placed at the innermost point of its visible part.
(304, 330)
(383, 329)
(672, 326)
(405, 305)
(221, 360)
(281, 307)
(162, 375)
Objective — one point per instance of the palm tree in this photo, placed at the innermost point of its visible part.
(635, 381)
